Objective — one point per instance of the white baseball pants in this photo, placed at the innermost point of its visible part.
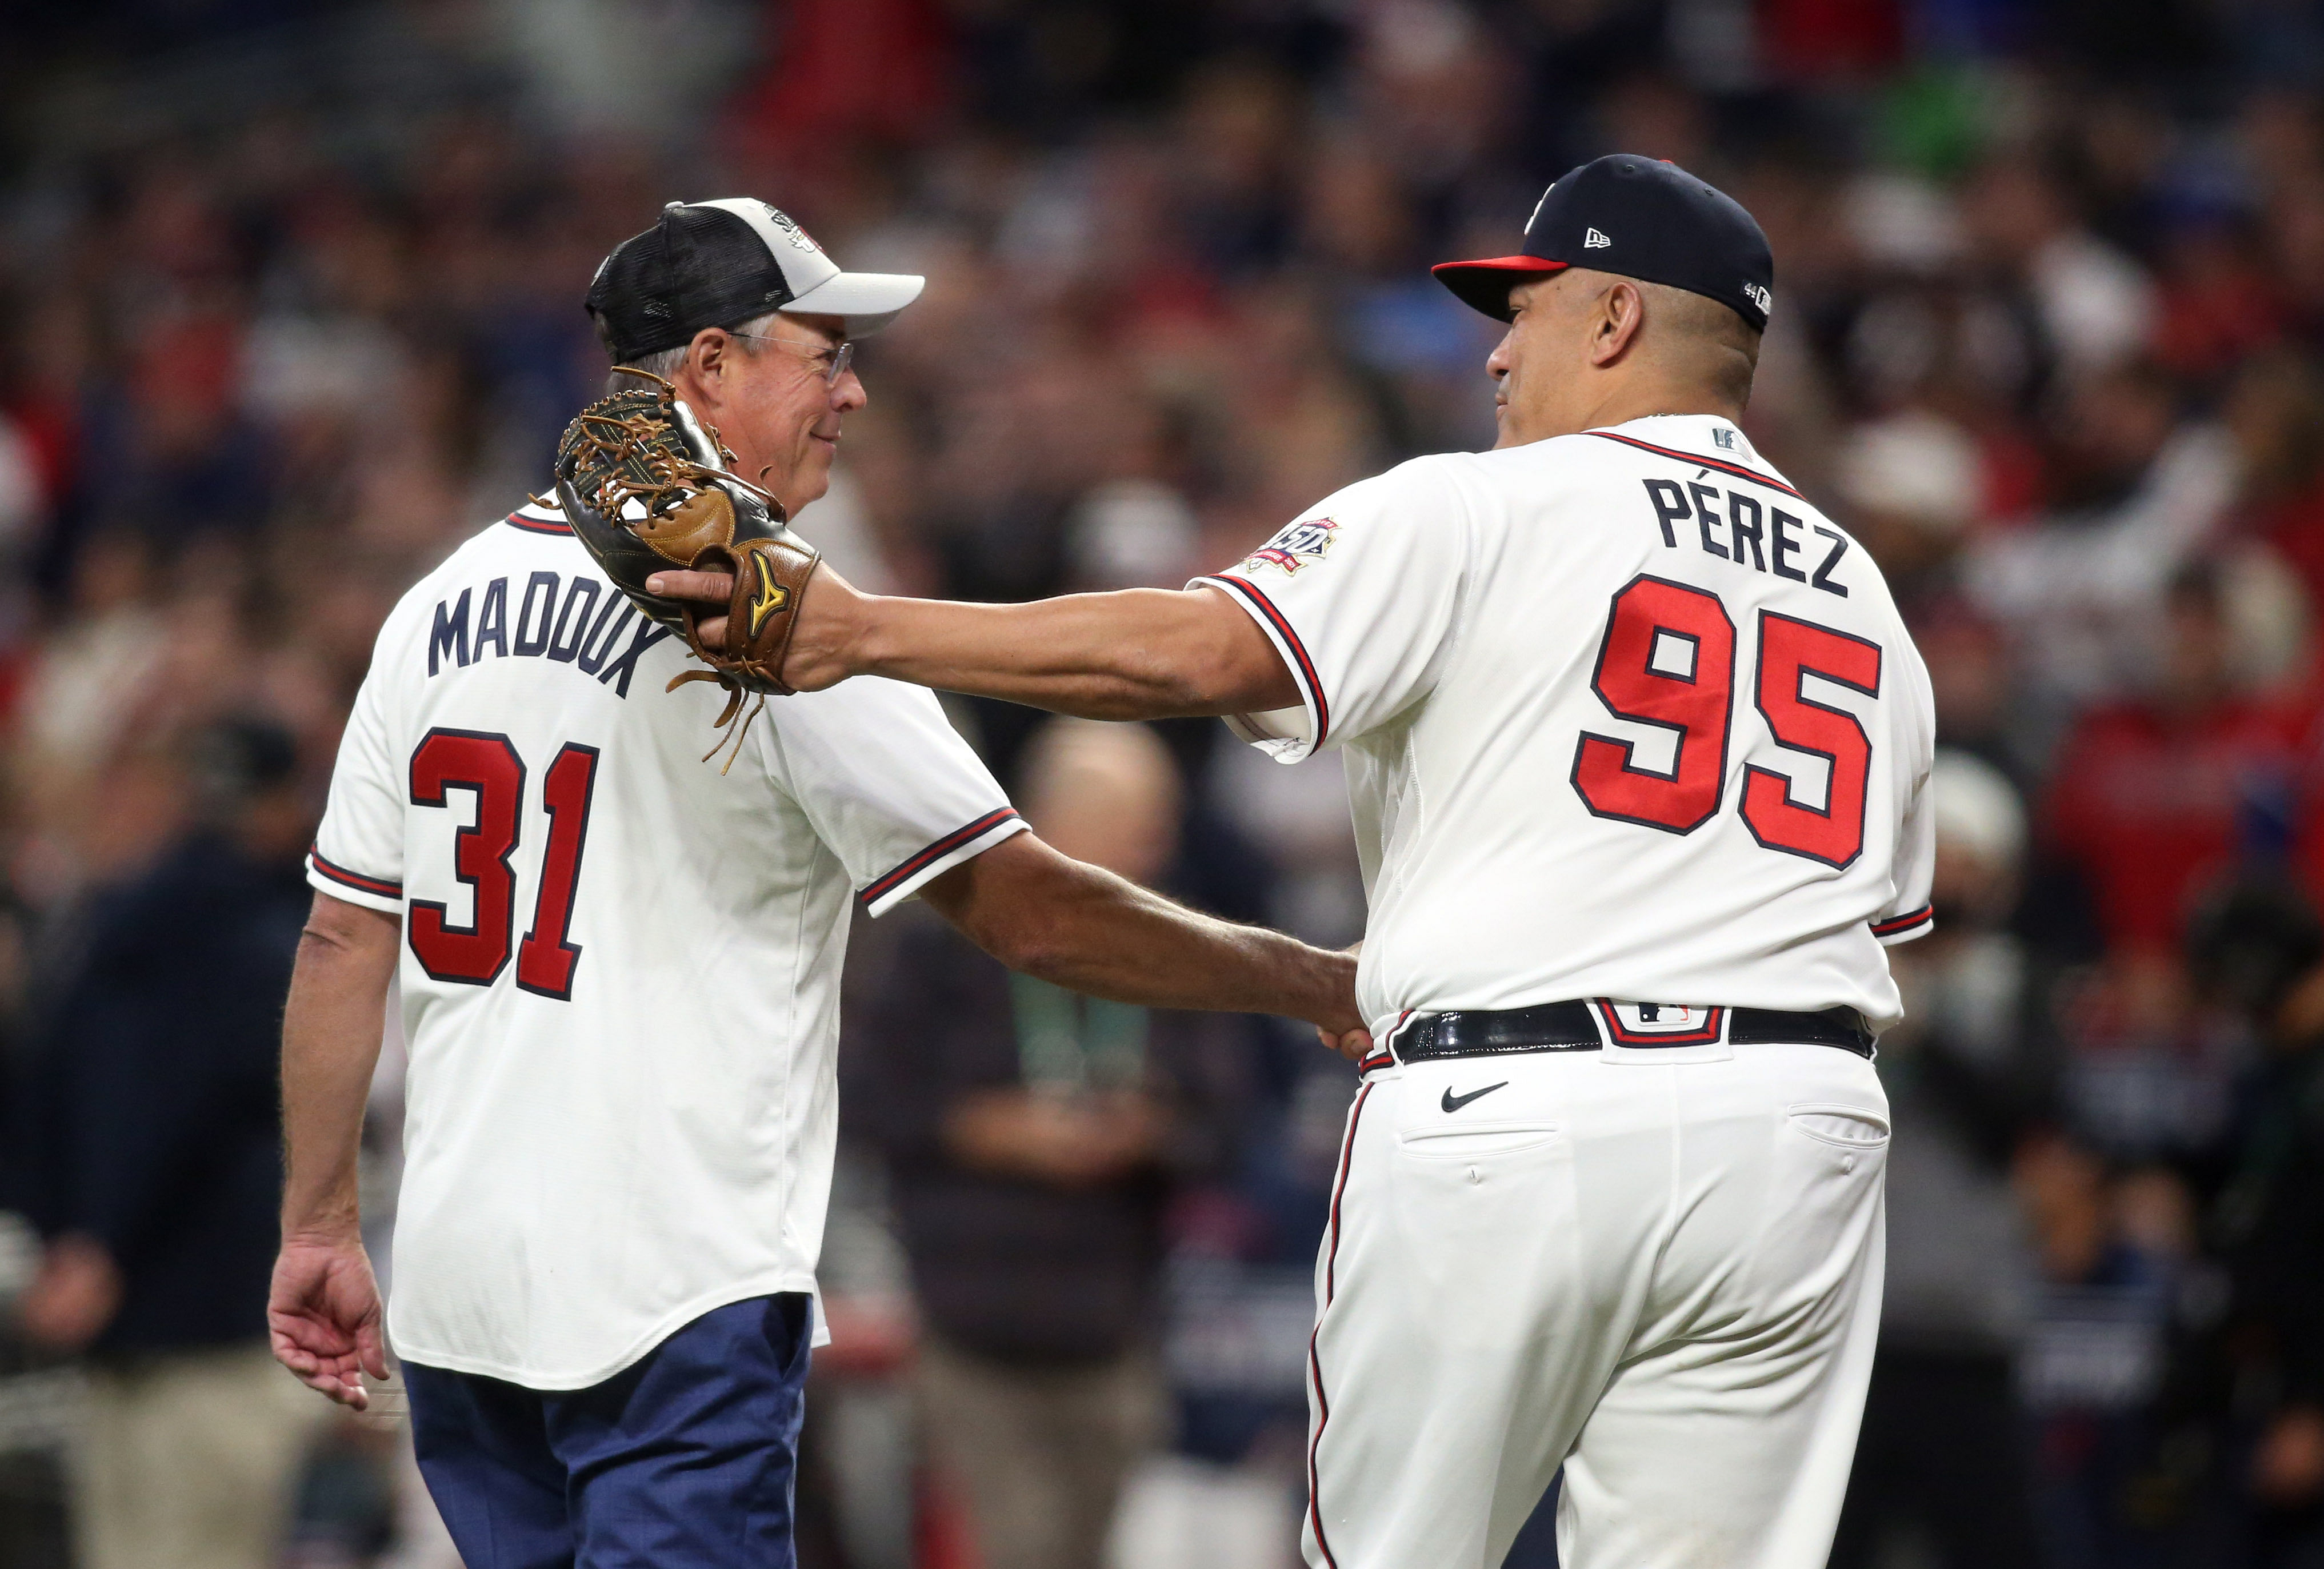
(1659, 1268)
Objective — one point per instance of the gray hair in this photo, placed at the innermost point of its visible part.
(664, 362)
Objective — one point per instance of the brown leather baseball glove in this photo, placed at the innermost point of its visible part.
(646, 487)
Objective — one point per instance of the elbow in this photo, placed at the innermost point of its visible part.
(1192, 682)
(1031, 948)
(339, 933)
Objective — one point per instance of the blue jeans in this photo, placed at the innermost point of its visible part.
(685, 1461)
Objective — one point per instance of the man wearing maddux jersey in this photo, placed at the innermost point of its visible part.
(620, 972)
(1638, 749)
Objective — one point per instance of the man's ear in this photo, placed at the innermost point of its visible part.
(706, 360)
(1621, 310)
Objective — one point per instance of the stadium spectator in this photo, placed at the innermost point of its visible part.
(1968, 1077)
(2258, 949)
(2153, 798)
(1034, 1140)
(154, 1176)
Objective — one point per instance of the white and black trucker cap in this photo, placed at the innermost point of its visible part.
(719, 264)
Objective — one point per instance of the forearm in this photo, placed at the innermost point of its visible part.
(331, 1030)
(1090, 931)
(1141, 653)
(1123, 942)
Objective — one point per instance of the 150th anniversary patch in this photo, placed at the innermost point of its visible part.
(1304, 541)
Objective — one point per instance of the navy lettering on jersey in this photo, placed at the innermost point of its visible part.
(1763, 532)
(1668, 513)
(581, 632)
(1706, 513)
(645, 637)
(1787, 543)
(491, 621)
(1822, 579)
(597, 643)
(531, 624)
(574, 616)
(1745, 533)
(450, 634)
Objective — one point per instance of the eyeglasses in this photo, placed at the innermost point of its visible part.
(834, 361)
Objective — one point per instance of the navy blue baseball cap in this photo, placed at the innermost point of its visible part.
(1640, 218)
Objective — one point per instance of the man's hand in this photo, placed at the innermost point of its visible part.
(827, 618)
(322, 1315)
(74, 1297)
(1355, 1044)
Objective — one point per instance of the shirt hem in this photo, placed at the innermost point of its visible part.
(377, 893)
(1903, 928)
(885, 893)
(1279, 632)
(669, 1324)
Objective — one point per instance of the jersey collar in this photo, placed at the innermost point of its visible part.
(1710, 440)
(540, 517)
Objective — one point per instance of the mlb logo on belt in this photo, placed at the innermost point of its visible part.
(1659, 1023)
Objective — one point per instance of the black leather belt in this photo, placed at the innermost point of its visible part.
(1575, 1027)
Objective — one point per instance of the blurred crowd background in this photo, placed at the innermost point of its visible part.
(289, 306)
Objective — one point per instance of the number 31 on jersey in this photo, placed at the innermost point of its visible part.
(1668, 660)
(477, 953)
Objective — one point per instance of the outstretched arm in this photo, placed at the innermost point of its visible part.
(1142, 653)
(323, 1310)
(1085, 928)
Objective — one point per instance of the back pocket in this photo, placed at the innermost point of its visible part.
(1475, 1141)
(1842, 1127)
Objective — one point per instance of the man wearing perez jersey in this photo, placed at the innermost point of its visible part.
(619, 971)
(1638, 750)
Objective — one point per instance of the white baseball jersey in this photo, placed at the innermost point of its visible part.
(1625, 718)
(620, 966)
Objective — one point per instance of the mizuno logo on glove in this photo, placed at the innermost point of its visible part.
(771, 598)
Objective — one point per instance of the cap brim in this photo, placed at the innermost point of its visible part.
(1484, 285)
(867, 301)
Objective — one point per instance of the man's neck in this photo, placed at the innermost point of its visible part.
(1621, 407)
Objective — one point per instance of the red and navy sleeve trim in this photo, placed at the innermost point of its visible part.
(1303, 668)
(1924, 916)
(379, 887)
(912, 865)
(539, 525)
(1723, 466)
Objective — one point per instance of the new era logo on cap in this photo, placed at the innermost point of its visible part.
(1594, 240)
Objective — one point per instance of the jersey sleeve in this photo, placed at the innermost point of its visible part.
(1361, 597)
(889, 785)
(358, 851)
(1910, 913)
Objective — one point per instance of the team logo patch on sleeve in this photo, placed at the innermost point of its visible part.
(1304, 541)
